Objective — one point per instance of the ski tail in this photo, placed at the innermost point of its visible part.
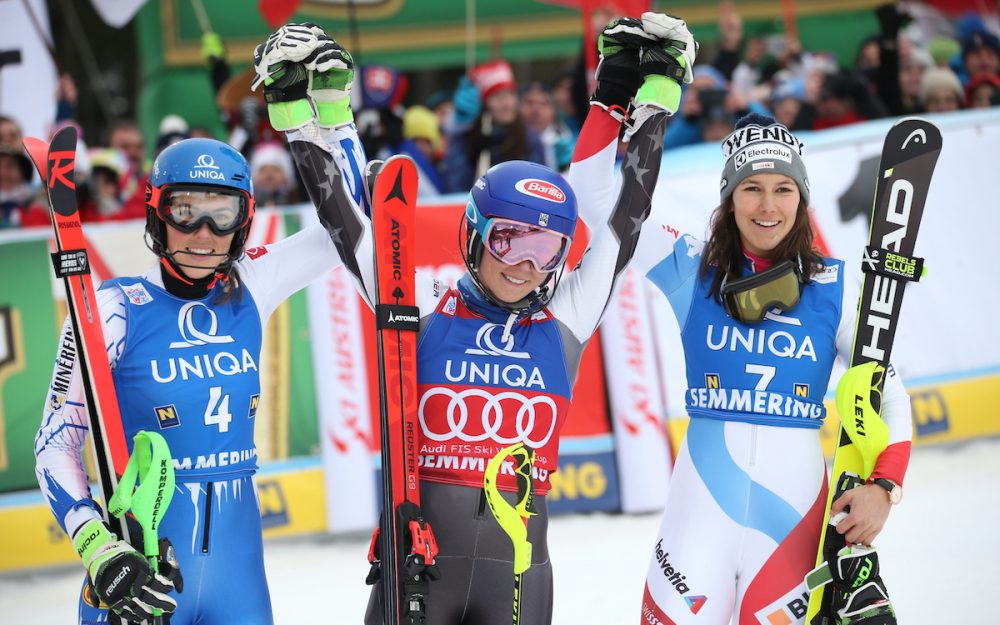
(407, 548)
(909, 155)
(55, 164)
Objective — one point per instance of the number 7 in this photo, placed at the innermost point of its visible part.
(766, 374)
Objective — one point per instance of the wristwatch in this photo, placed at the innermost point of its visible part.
(894, 490)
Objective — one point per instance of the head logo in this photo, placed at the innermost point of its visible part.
(541, 189)
(193, 336)
(487, 346)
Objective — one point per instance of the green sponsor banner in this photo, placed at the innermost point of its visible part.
(433, 34)
(303, 423)
(28, 335)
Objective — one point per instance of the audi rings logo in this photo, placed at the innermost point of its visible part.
(205, 161)
(487, 346)
(533, 423)
(193, 336)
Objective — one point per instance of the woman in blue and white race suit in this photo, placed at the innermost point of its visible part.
(184, 343)
(747, 497)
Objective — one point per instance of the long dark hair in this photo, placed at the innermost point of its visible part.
(724, 252)
(513, 145)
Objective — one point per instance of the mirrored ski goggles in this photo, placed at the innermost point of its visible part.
(187, 208)
(513, 242)
(748, 299)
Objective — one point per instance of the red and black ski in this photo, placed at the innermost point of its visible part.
(404, 542)
(55, 164)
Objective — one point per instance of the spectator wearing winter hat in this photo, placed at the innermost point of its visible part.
(10, 132)
(109, 194)
(380, 119)
(707, 92)
(844, 99)
(912, 67)
(980, 55)
(423, 143)
(173, 128)
(982, 91)
(538, 111)
(124, 135)
(488, 127)
(271, 170)
(941, 91)
(943, 50)
(786, 101)
(17, 197)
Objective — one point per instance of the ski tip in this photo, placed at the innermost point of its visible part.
(38, 152)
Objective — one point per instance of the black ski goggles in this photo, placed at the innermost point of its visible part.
(748, 299)
(188, 207)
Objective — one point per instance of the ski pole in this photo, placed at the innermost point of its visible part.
(513, 519)
(150, 464)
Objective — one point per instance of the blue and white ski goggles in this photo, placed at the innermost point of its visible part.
(188, 207)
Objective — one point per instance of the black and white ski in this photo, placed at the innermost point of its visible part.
(909, 154)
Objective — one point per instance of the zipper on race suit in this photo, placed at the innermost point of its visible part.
(209, 489)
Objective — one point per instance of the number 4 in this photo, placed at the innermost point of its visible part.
(217, 412)
(766, 374)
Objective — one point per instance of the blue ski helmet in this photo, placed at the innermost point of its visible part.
(528, 193)
(198, 164)
(523, 191)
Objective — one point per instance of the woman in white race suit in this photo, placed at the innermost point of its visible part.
(746, 502)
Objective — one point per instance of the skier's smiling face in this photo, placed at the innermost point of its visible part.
(509, 283)
(765, 206)
(198, 253)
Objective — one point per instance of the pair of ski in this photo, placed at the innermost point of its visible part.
(909, 154)
(403, 549)
(117, 472)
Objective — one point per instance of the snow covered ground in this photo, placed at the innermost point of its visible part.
(940, 552)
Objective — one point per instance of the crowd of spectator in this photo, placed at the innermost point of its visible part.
(913, 64)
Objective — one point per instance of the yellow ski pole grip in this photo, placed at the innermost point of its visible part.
(511, 519)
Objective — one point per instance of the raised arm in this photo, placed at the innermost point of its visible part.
(664, 52)
(307, 80)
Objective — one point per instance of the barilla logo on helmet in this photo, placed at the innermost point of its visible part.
(206, 168)
(539, 188)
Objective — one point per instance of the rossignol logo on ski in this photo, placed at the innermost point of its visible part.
(61, 172)
(393, 317)
(206, 168)
(70, 263)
